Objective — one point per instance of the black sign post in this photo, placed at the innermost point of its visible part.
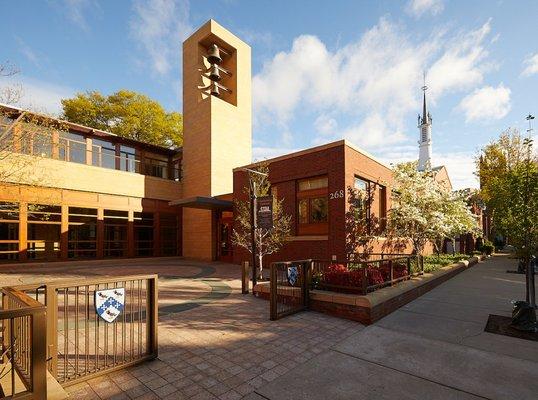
(264, 212)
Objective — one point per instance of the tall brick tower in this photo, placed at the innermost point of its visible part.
(217, 117)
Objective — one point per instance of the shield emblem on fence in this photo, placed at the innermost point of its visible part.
(109, 303)
(293, 274)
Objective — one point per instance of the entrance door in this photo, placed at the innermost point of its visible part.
(225, 250)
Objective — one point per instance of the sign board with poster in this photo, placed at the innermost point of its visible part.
(264, 212)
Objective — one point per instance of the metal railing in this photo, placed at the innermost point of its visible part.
(23, 372)
(363, 277)
(80, 343)
(289, 288)
(41, 144)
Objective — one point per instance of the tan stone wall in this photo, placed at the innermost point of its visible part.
(46, 172)
(217, 131)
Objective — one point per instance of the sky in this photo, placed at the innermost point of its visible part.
(322, 70)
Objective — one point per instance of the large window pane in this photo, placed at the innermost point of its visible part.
(9, 231)
(44, 227)
(128, 161)
(72, 147)
(169, 234)
(303, 211)
(318, 209)
(82, 234)
(103, 154)
(116, 233)
(143, 230)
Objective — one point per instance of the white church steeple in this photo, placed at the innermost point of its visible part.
(425, 139)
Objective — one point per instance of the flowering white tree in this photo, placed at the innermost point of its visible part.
(268, 241)
(425, 210)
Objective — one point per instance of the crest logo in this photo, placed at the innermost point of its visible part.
(293, 274)
(109, 303)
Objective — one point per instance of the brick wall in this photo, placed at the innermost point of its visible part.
(341, 163)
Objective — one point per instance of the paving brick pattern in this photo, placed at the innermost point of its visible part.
(225, 348)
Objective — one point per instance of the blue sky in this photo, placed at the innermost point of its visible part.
(322, 70)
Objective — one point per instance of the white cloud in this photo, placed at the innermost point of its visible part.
(325, 125)
(462, 63)
(27, 51)
(160, 27)
(531, 65)
(76, 11)
(373, 81)
(486, 103)
(417, 8)
(460, 167)
(37, 95)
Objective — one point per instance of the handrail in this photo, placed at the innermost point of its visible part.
(23, 342)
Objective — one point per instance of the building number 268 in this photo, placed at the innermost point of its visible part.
(339, 194)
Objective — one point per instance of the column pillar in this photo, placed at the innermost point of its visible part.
(64, 232)
(23, 231)
(89, 160)
(130, 235)
(100, 233)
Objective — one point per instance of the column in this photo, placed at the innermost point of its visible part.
(23, 231)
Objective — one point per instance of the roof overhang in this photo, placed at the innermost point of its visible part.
(206, 203)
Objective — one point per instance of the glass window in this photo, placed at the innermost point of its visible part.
(318, 209)
(303, 211)
(313, 183)
(143, 233)
(103, 154)
(169, 234)
(72, 147)
(9, 231)
(115, 233)
(156, 167)
(82, 234)
(312, 206)
(128, 161)
(361, 184)
(44, 231)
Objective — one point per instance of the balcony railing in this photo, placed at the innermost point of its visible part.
(43, 144)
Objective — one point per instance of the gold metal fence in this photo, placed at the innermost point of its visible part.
(23, 372)
(81, 344)
(289, 288)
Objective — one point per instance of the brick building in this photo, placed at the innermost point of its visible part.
(82, 193)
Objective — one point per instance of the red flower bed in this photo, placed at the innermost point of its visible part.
(340, 275)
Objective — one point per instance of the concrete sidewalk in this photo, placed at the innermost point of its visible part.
(433, 348)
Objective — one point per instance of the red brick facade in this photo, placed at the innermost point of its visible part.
(341, 163)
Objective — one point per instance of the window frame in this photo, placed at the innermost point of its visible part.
(311, 228)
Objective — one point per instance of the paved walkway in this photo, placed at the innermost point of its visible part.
(433, 348)
(214, 342)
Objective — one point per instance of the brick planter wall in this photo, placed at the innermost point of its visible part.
(374, 306)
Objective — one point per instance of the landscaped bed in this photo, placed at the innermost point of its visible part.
(349, 290)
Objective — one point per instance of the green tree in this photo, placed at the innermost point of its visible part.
(126, 114)
(268, 241)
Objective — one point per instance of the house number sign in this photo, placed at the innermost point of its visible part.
(339, 194)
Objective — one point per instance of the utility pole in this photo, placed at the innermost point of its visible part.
(252, 184)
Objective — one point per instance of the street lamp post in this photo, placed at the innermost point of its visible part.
(530, 287)
(253, 222)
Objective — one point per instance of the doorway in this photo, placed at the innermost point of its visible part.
(224, 239)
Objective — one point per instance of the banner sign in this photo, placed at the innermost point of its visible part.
(264, 212)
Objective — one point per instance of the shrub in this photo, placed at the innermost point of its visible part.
(487, 247)
(352, 276)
